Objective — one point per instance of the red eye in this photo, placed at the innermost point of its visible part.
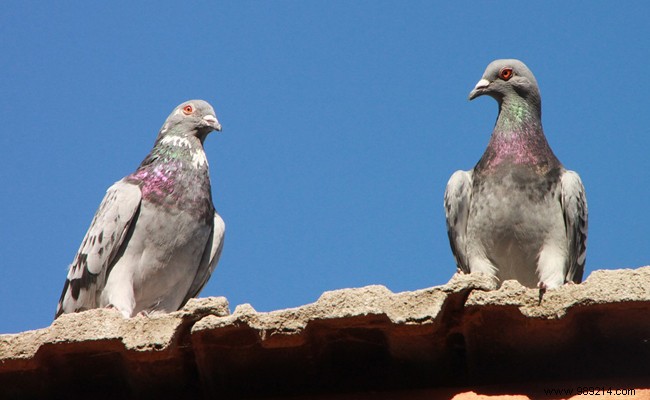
(188, 109)
(505, 73)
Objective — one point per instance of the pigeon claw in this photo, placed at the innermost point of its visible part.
(542, 289)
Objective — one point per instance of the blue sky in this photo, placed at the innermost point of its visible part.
(342, 122)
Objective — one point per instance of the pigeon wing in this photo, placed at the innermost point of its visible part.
(103, 241)
(574, 207)
(457, 201)
(210, 258)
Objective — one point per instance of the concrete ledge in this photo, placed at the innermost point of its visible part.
(467, 334)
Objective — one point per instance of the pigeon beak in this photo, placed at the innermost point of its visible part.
(479, 89)
(211, 121)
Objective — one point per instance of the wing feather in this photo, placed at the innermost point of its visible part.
(574, 207)
(104, 239)
(457, 202)
(210, 258)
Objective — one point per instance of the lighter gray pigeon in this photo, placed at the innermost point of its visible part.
(519, 214)
(156, 237)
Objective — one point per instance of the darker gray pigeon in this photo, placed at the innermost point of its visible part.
(519, 214)
(156, 237)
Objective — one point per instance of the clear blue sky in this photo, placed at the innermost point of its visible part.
(342, 122)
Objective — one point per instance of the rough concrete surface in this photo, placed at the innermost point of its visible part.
(466, 338)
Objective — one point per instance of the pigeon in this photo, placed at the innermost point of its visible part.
(519, 214)
(156, 237)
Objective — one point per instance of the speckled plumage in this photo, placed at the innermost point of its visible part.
(156, 237)
(519, 214)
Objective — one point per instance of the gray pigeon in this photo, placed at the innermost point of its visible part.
(519, 214)
(156, 237)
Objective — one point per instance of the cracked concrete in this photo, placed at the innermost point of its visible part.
(435, 341)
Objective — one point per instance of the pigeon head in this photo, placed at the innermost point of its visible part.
(194, 117)
(506, 79)
(518, 136)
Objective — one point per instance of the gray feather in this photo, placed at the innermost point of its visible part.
(574, 205)
(458, 197)
(104, 239)
(211, 256)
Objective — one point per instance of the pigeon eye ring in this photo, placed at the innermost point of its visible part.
(505, 73)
